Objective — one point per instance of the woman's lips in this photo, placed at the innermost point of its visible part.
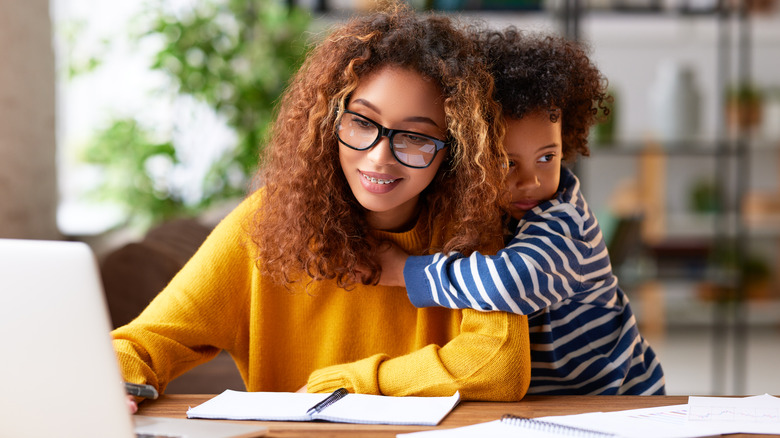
(378, 182)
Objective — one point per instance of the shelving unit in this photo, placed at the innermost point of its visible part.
(725, 232)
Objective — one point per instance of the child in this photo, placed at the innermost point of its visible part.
(584, 338)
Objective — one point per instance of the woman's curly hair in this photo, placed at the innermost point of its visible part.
(310, 221)
(536, 72)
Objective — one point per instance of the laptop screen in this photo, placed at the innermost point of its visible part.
(58, 368)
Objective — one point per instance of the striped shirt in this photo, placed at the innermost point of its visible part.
(556, 270)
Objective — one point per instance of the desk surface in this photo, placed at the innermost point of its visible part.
(175, 406)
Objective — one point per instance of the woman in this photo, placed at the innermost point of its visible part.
(274, 283)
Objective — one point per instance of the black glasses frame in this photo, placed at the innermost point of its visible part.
(390, 133)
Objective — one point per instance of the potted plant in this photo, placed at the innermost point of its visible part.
(743, 107)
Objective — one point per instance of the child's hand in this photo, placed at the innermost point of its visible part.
(392, 258)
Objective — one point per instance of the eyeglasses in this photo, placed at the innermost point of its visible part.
(410, 148)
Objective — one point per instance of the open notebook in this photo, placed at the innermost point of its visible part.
(59, 370)
(336, 407)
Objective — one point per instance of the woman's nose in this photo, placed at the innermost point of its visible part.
(381, 153)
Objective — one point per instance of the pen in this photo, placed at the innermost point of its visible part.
(140, 390)
(329, 400)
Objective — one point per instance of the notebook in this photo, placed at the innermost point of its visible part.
(58, 369)
(511, 426)
(338, 407)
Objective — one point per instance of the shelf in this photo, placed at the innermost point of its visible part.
(691, 148)
(685, 306)
(766, 226)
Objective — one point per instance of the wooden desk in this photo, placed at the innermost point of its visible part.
(465, 413)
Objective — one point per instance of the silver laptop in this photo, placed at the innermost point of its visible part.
(58, 371)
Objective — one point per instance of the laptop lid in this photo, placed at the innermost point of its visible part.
(58, 367)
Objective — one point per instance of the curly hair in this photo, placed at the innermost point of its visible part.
(310, 220)
(536, 72)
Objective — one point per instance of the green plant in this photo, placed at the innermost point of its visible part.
(704, 196)
(744, 93)
(744, 272)
(124, 151)
(234, 55)
(743, 106)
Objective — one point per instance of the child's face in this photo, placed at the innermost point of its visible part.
(534, 146)
(395, 98)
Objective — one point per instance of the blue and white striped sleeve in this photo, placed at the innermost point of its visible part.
(548, 261)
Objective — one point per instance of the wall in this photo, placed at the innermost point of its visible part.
(28, 190)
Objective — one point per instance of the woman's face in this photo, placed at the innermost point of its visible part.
(395, 98)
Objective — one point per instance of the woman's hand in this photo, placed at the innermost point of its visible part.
(132, 404)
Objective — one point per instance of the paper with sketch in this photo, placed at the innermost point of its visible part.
(757, 414)
(353, 408)
(659, 422)
(503, 429)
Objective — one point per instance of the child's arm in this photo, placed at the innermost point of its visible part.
(392, 258)
(548, 261)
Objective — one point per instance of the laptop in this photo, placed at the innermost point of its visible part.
(58, 371)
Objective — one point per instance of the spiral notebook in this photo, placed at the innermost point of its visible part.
(512, 426)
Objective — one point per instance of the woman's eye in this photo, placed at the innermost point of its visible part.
(361, 123)
(417, 139)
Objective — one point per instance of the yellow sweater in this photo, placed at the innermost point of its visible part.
(369, 339)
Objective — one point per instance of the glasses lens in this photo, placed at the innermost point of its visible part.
(414, 149)
(356, 131)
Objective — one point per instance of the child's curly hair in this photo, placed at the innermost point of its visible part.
(536, 72)
(310, 220)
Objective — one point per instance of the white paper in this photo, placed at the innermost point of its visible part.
(353, 408)
(701, 417)
(376, 409)
(240, 405)
(659, 422)
(757, 414)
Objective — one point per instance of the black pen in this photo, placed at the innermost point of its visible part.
(329, 400)
(141, 390)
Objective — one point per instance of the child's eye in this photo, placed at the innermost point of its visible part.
(547, 158)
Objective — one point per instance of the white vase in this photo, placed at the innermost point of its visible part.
(675, 104)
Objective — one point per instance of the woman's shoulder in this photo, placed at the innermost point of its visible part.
(249, 205)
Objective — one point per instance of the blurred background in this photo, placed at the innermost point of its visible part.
(135, 126)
